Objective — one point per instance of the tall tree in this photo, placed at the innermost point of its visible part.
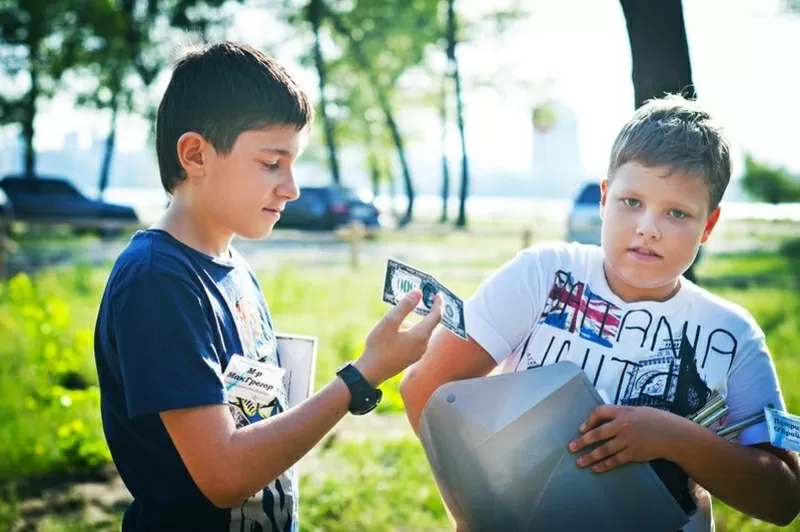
(128, 52)
(659, 55)
(128, 62)
(659, 49)
(39, 42)
(124, 34)
(385, 38)
(457, 30)
(443, 118)
(314, 13)
(361, 123)
(452, 42)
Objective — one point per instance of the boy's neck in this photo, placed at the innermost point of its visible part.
(633, 294)
(194, 228)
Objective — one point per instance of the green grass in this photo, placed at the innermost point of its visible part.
(761, 264)
(375, 486)
(49, 419)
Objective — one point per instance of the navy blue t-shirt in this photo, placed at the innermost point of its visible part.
(169, 321)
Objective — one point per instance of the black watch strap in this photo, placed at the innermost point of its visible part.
(364, 397)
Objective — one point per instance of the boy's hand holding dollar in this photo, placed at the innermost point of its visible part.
(630, 433)
(392, 345)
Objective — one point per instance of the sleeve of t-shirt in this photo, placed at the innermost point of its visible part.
(505, 306)
(165, 346)
(752, 385)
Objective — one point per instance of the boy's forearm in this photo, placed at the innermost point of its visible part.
(752, 480)
(259, 453)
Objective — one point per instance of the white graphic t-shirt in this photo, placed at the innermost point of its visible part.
(552, 303)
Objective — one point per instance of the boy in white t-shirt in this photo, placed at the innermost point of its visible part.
(622, 312)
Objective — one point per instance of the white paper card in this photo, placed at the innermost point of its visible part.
(298, 356)
(784, 429)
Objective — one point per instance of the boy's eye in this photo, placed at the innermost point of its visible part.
(631, 202)
(680, 215)
(271, 166)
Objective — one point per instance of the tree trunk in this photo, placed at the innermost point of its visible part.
(374, 172)
(445, 163)
(659, 49)
(393, 195)
(659, 56)
(314, 12)
(383, 103)
(28, 130)
(29, 111)
(105, 169)
(397, 139)
(461, 221)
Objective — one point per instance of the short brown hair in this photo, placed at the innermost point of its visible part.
(676, 133)
(220, 91)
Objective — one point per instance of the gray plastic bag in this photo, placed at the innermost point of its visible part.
(497, 446)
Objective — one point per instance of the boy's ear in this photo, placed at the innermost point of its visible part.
(191, 153)
(710, 224)
(603, 195)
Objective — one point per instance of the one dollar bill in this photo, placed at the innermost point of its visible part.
(402, 279)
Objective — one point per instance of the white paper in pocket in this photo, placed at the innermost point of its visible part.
(298, 356)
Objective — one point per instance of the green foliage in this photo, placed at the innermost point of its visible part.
(44, 40)
(766, 183)
(374, 486)
(9, 507)
(791, 249)
(48, 393)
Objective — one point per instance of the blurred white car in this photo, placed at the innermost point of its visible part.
(584, 222)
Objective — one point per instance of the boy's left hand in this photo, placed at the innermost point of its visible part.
(633, 434)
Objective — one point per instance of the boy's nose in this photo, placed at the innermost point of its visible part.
(648, 228)
(289, 188)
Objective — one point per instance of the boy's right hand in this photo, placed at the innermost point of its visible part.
(391, 346)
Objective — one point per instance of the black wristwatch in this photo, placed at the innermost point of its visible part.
(364, 398)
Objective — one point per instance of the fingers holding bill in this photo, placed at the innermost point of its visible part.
(428, 325)
(396, 316)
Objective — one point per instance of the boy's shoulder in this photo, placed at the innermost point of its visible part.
(723, 311)
(149, 253)
(561, 255)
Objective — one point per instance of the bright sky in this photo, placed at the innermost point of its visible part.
(735, 45)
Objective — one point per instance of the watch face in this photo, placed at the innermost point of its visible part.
(368, 406)
(364, 398)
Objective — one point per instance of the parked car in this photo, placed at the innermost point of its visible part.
(5, 205)
(5, 216)
(584, 223)
(56, 200)
(328, 208)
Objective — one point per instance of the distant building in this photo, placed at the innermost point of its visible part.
(557, 160)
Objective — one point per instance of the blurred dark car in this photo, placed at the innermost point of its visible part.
(5, 206)
(584, 224)
(56, 200)
(328, 208)
(5, 217)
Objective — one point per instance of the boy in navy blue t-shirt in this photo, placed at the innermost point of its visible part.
(181, 303)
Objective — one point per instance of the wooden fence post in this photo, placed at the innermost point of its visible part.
(355, 234)
(527, 238)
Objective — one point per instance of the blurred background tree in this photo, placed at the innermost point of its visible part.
(769, 184)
